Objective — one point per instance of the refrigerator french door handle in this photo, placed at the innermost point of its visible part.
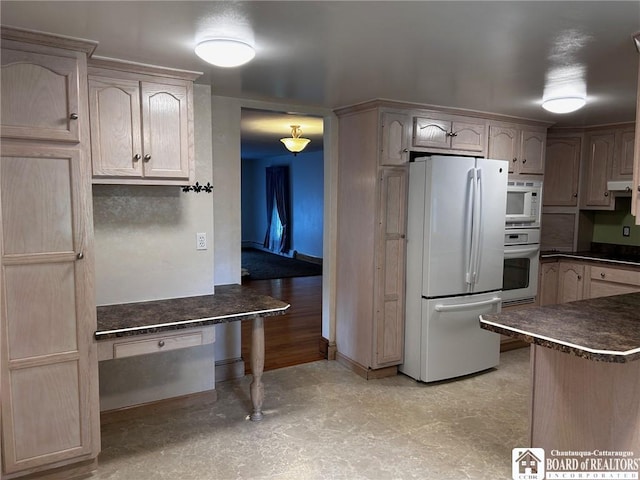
(480, 229)
(469, 226)
(474, 230)
(466, 306)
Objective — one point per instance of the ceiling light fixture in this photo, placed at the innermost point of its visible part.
(295, 143)
(225, 52)
(564, 104)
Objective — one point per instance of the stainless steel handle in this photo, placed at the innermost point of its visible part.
(137, 157)
(73, 116)
(147, 157)
(161, 343)
(466, 306)
(80, 256)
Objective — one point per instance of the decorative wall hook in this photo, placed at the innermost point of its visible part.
(198, 188)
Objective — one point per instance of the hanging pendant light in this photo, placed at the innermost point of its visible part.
(295, 143)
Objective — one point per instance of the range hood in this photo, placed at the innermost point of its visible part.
(619, 186)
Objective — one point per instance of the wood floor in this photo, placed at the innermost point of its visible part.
(294, 338)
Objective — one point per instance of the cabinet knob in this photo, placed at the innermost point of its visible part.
(405, 150)
(575, 195)
(602, 275)
(161, 343)
(147, 157)
(80, 256)
(137, 157)
(524, 160)
(452, 134)
(515, 159)
(627, 189)
(579, 277)
(73, 116)
(606, 194)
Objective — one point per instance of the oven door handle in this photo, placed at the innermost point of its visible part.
(520, 251)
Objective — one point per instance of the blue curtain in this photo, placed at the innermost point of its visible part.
(277, 237)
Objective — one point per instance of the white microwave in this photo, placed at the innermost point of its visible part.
(524, 202)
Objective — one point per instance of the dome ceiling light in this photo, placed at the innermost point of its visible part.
(564, 104)
(295, 143)
(225, 52)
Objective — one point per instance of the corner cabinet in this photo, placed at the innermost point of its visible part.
(48, 362)
(522, 146)
(370, 248)
(141, 123)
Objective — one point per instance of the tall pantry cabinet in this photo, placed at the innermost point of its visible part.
(48, 360)
(370, 276)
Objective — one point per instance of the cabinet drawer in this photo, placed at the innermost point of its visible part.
(616, 275)
(155, 345)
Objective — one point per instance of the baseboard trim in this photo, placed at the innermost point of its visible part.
(307, 258)
(365, 372)
(158, 406)
(327, 350)
(512, 344)
(73, 471)
(229, 369)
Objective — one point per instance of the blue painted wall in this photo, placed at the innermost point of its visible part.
(307, 184)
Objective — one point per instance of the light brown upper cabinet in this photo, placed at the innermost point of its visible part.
(141, 126)
(442, 132)
(40, 96)
(395, 135)
(622, 168)
(522, 146)
(562, 167)
(597, 170)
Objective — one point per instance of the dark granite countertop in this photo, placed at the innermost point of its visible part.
(604, 329)
(230, 303)
(602, 252)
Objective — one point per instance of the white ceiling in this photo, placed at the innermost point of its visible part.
(488, 56)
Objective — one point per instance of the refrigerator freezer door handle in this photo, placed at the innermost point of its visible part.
(466, 306)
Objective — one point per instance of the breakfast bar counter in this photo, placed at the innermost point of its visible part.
(585, 377)
(159, 325)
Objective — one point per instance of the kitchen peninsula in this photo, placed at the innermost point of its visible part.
(585, 377)
(143, 320)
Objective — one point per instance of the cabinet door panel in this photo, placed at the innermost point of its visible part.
(548, 291)
(601, 151)
(39, 94)
(504, 144)
(116, 145)
(562, 166)
(623, 168)
(165, 124)
(428, 132)
(390, 268)
(570, 282)
(49, 368)
(394, 148)
(533, 149)
(468, 136)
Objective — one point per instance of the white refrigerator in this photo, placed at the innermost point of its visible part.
(455, 248)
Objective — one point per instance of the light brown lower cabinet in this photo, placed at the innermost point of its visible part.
(565, 280)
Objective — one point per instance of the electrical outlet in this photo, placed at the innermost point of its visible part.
(201, 241)
(626, 231)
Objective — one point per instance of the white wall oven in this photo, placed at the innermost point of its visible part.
(521, 261)
(524, 202)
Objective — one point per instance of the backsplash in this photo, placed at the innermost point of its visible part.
(608, 226)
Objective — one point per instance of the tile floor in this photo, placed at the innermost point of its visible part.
(324, 422)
